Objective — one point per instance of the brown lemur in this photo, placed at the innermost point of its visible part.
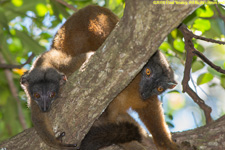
(68, 52)
(141, 96)
(81, 34)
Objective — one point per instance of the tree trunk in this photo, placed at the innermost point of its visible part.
(137, 36)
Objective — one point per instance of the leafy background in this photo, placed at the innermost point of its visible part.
(28, 27)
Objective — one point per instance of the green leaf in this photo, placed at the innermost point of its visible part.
(165, 46)
(204, 78)
(174, 91)
(202, 24)
(58, 8)
(16, 45)
(214, 72)
(45, 35)
(114, 3)
(174, 33)
(170, 116)
(170, 124)
(30, 43)
(17, 3)
(205, 12)
(222, 81)
(199, 47)
(41, 9)
(213, 85)
(197, 65)
(179, 45)
(189, 21)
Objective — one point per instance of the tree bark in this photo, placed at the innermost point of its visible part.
(208, 137)
(137, 36)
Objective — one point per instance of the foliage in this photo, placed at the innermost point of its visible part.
(28, 26)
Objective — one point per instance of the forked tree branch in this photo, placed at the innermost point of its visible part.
(191, 52)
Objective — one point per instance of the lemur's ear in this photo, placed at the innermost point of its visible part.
(172, 84)
(24, 79)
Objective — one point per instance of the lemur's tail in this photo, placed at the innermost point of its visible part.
(108, 134)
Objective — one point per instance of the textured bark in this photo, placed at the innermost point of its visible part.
(209, 137)
(137, 36)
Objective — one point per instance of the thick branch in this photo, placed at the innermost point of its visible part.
(209, 137)
(88, 92)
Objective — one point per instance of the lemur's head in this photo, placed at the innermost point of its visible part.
(42, 86)
(156, 76)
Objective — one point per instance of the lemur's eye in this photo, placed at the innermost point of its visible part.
(160, 89)
(36, 95)
(52, 95)
(148, 72)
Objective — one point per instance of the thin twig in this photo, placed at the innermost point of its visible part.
(67, 5)
(7, 66)
(211, 64)
(207, 39)
(192, 35)
(14, 92)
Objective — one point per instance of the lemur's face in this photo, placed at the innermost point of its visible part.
(43, 86)
(44, 93)
(156, 77)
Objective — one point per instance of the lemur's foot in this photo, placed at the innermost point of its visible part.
(60, 139)
(61, 136)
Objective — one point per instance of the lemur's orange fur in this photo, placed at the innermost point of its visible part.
(150, 112)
